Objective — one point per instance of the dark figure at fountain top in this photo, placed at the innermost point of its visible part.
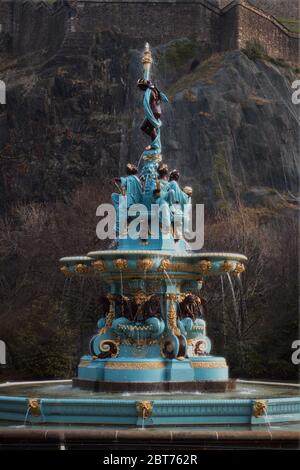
(153, 98)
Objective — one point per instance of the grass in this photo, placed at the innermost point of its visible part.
(254, 50)
(204, 72)
(179, 53)
(290, 23)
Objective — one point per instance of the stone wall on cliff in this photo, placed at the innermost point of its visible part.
(38, 25)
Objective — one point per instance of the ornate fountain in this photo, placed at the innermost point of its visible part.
(152, 330)
(151, 334)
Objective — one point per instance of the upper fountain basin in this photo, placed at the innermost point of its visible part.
(134, 264)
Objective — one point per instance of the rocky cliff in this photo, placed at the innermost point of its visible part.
(230, 125)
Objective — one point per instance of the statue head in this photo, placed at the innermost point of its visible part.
(131, 169)
(143, 84)
(174, 175)
(163, 170)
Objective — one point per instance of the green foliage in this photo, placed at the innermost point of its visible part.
(254, 50)
(179, 53)
(203, 72)
(290, 23)
(42, 346)
(278, 61)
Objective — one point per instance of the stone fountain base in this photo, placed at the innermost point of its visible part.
(161, 387)
(195, 374)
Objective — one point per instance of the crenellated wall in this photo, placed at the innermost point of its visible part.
(38, 24)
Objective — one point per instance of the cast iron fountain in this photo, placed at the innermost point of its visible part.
(151, 342)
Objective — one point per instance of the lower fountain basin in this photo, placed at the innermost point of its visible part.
(58, 402)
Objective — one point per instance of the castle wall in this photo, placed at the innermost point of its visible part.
(159, 22)
(36, 25)
(254, 24)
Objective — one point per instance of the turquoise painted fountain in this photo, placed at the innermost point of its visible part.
(150, 361)
(152, 332)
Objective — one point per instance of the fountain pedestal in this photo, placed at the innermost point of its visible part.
(152, 332)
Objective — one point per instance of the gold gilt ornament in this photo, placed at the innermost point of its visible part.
(141, 343)
(144, 264)
(121, 264)
(81, 268)
(140, 296)
(110, 346)
(240, 268)
(99, 265)
(109, 317)
(226, 266)
(34, 406)
(147, 56)
(172, 317)
(144, 409)
(205, 265)
(165, 264)
(134, 365)
(65, 270)
(259, 408)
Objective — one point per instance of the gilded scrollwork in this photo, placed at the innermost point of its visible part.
(110, 316)
(172, 316)
(109, 348)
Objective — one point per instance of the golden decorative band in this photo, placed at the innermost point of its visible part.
(209, 365)
(84, 363)
(135, 365)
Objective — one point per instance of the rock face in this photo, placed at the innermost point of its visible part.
(230, 126)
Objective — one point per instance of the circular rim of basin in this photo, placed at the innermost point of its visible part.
(155, 253)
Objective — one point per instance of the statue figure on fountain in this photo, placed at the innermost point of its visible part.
(131, 192)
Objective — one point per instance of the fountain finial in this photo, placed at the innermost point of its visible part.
(147, 61)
